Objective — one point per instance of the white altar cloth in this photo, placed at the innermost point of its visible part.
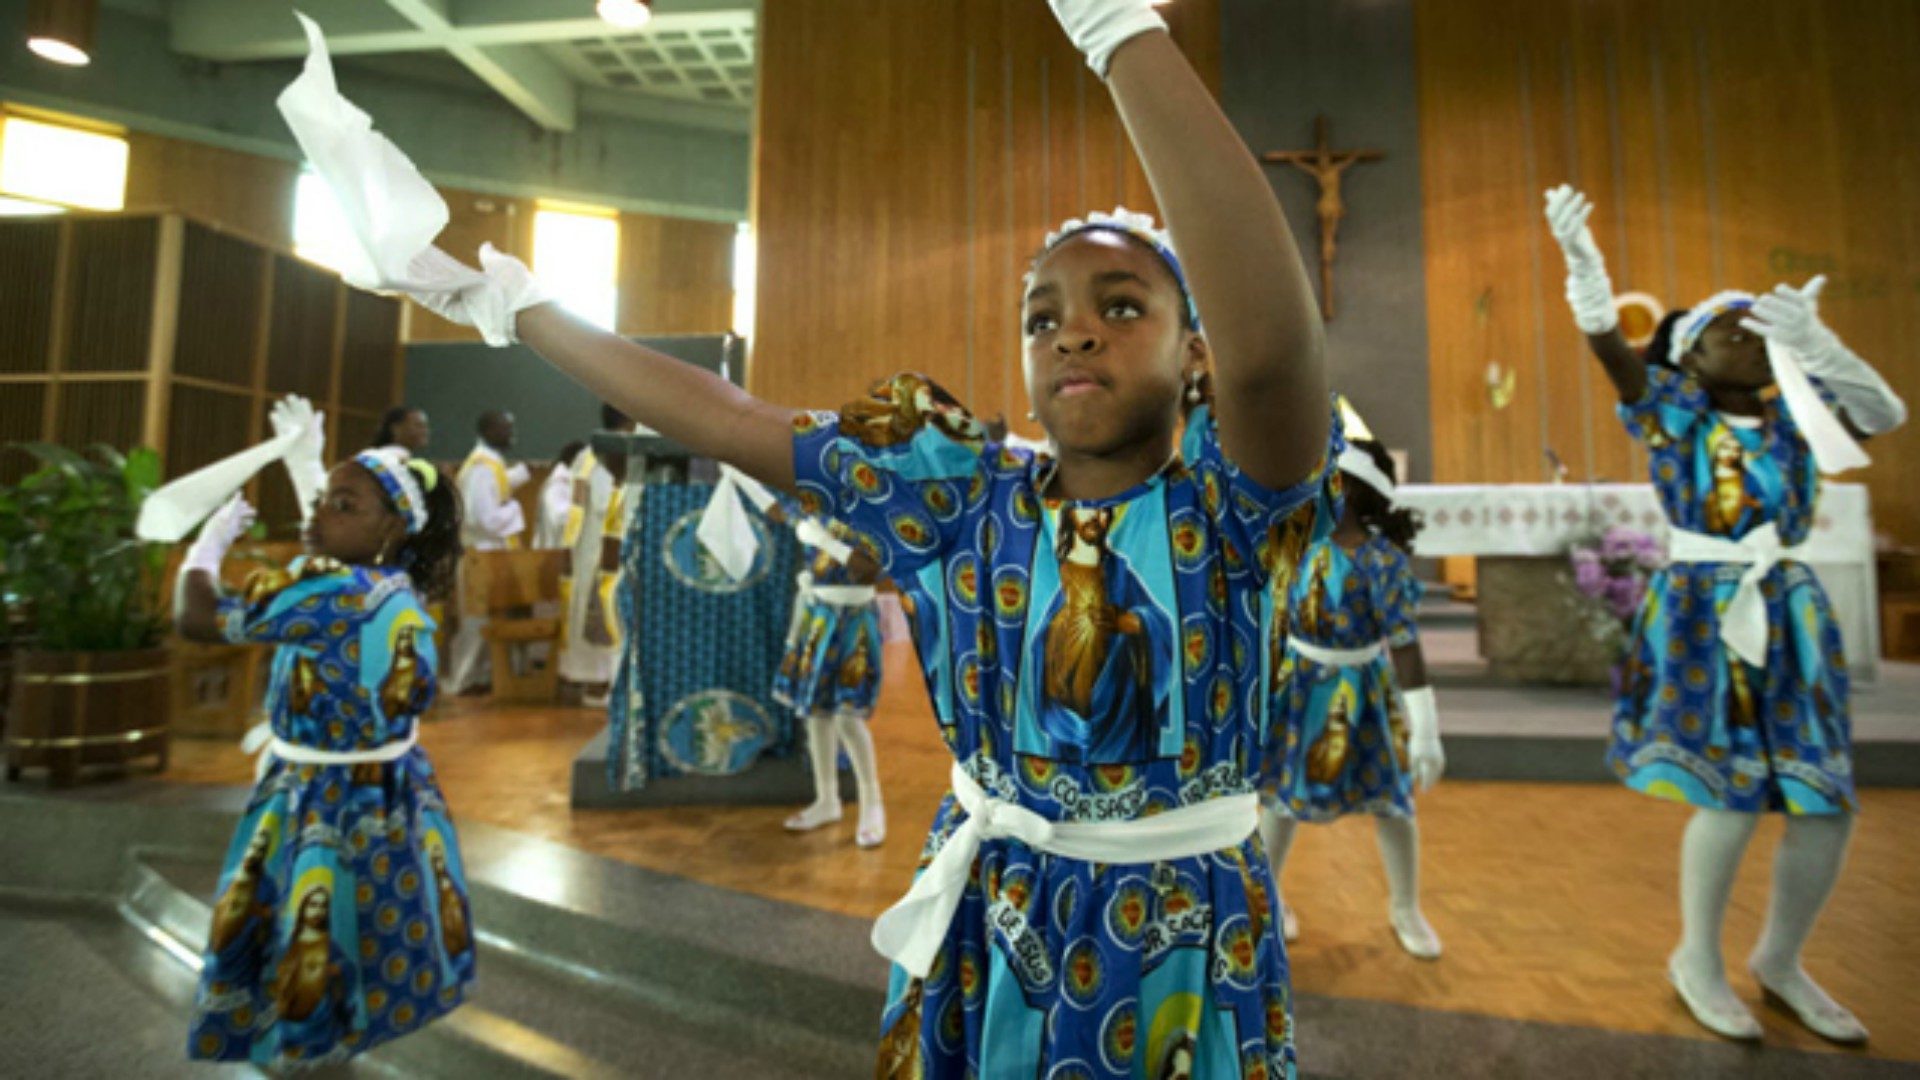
(1546, 519)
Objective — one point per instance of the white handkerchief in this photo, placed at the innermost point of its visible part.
(1834, 449)
(393, 212)
(171, 512)
(726, 531)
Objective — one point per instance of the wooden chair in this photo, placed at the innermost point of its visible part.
(503, 586)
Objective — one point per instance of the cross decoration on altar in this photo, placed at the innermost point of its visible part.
(1325, 165)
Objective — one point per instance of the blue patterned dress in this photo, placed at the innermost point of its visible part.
(341, 918)
(1694, 722)
(832, 662)
(1339, 738)
(1090, 661)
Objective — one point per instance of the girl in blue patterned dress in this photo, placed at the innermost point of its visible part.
(1094, 899)
(341, 918)
(1355, 728)
(1735, 693)
(830, 673)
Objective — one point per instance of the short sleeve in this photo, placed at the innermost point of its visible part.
(309, 599)
(1667, 409)
(1277, 526)
(896, 468)
(1396, 593)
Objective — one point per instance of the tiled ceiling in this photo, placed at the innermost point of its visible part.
(707, 58)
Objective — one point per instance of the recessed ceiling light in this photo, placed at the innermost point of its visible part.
(625, 14)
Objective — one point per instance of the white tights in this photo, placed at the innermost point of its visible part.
(826, 734)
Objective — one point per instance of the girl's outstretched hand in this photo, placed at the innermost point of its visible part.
(1589, 292)
(490, 301)
(1098, 27)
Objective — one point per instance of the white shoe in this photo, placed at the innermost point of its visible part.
(1727, 1017)
(1414, 934)
(873, 826)
(813, 817)
(1289, 923)
(1801, 996)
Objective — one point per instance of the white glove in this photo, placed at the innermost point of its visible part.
(488, 304)
(1423, 742)
(1791, 317)
(293, 418)
(1099, 27)
(217, 536)
(1589, 292)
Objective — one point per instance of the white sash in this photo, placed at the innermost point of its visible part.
(1743, 626)
(1326, 657)
(911, 931)
(261, 740)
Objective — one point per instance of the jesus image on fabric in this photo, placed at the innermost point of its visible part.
(1103, 648)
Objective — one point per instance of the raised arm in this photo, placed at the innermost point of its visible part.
(1267, 341)
(695, 408)
(1590, 293)
(196, 595)
(687, 404)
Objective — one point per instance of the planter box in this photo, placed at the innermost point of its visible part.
(73, 709)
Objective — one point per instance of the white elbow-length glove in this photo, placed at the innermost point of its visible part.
(445, 286)
(294, 418)
(1099, 27)
(1791, 317)
(1423, 742)
(1589, 292)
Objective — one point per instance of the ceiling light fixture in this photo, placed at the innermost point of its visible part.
(62, 30)
(625, 14)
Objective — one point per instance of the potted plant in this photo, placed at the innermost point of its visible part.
(91, 678)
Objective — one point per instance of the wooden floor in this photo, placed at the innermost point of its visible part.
(1556, 902)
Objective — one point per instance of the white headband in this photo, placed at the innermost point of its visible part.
(1358, 464)
(1694, 323)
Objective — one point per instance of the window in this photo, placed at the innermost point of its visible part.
(745, 263)
(320, 231)
(43, 162)
(576, 255)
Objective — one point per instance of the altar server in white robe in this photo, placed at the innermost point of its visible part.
(493, 522)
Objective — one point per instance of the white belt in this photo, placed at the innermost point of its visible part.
(842, 595)
(1326, 657)
(911, 931)
(1743, 626)
(260, 738)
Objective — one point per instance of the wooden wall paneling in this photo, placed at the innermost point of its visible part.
(110, 273)
(1874, 299)
(208, 422)
(301, 340)
(164, 331)
(676, 276)
(369, 351)
(911, 158)
(29, 254)
(106, 410)
(1724, 147)
(355, 430)
(22, 419)
(239, 192)
(222, 292)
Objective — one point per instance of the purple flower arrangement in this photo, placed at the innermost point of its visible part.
(1613, 570)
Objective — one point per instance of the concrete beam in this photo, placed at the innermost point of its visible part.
(265, 30)
(534, 84)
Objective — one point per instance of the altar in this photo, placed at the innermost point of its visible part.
(1531, 619)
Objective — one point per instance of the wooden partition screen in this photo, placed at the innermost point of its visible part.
(155, 330)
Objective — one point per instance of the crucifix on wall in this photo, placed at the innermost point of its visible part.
(1325, 165)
